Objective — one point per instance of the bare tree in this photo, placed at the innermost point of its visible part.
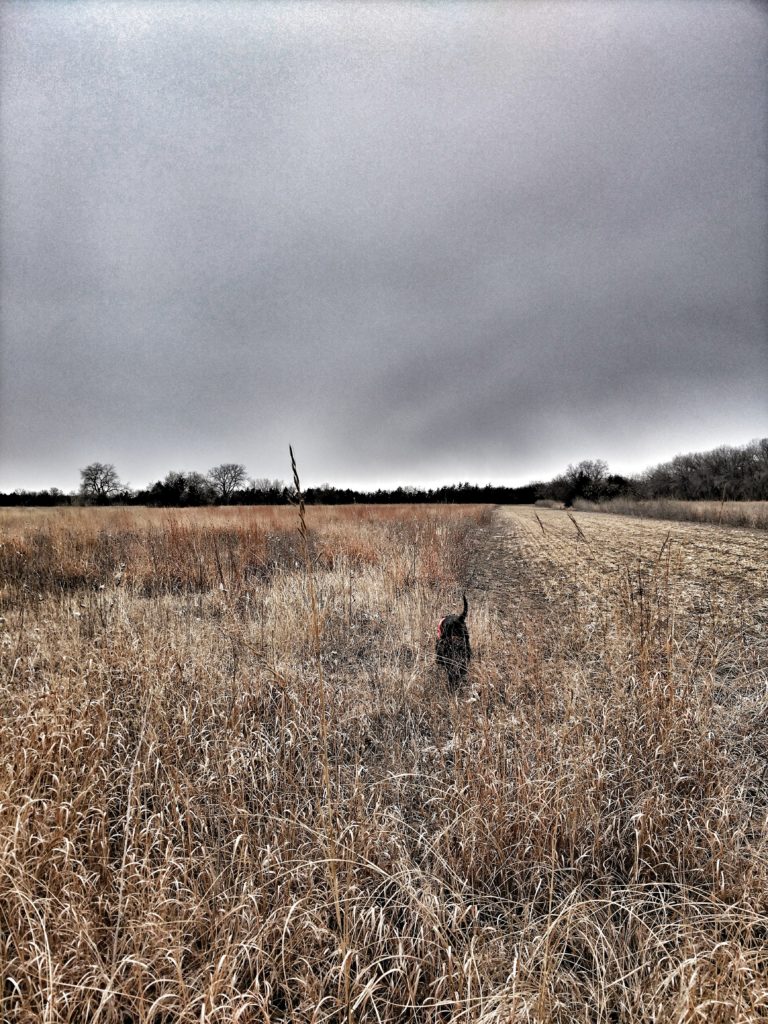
(99, 482)
(181, 488)
(733, 473)
(587, 479)
(263, 483)
(226, 479)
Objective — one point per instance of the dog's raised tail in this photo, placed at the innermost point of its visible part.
(466, 608)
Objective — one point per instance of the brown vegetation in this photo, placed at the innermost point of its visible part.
(752, 514)
(234, 788)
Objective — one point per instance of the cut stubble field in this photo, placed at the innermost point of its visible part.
(234, 787)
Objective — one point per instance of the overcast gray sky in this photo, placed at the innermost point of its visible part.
(422, 242)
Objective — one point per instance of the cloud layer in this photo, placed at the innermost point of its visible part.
(422, 242)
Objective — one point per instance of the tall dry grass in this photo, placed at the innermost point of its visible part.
(189, 832)
(752, 514)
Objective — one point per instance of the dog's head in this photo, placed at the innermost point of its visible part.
(451, 627)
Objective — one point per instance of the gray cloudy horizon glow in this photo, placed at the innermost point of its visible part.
(423, 243)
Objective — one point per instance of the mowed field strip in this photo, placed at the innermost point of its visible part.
(613, 611)
(539, 557)
(579, 569)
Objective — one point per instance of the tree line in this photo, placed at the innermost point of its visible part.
(732, 473)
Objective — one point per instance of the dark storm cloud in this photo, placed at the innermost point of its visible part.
(420, 241)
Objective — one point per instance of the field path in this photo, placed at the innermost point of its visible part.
(535, 562)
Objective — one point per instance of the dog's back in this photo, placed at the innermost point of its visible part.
(452, 650)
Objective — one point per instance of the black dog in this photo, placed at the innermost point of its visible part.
(452, 650)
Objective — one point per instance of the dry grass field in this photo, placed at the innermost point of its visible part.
(752, 514)
(233, 786)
